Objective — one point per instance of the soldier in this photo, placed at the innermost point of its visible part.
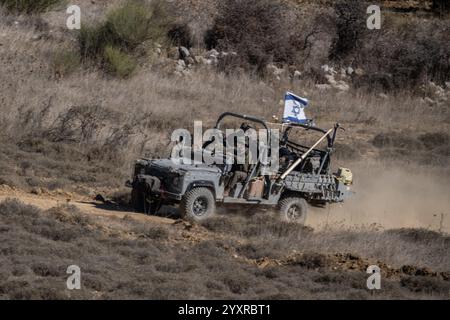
(240, 170)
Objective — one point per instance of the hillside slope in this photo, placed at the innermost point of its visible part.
(71, 130)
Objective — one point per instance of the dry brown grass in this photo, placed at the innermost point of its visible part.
(83, 131)
(131, 118)
(37, 246)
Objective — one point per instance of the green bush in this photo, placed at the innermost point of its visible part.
(92, 40)
(129, 25)
(28, 6)
(119, 63)
(126, 28)
(114, 42)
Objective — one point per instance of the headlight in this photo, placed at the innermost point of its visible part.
(177, 181)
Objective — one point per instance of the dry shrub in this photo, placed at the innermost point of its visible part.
(180, 34)
(69, 214)
(45, 270)
(425, 284)
(414, 147)
(80, 123)
(119, 63)
(332, 277)
(422, 236)
(350, 25)
(151, 232)
(13, 208)
(259, 250)
(236, 282)
(312, 260)
(396, 140)
(65, 62)
(404, 55)
(435, 139)
(256, 29)
(258, 225)
(441, 6)
(28, 6)
(61, 164)
(31, 219)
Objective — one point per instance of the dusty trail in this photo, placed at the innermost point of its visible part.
(384, 197)
(391, 197)
(84, 204)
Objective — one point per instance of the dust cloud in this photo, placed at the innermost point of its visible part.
(391, 197)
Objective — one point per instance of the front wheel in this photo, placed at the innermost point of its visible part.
(294, 210)
(198, 204)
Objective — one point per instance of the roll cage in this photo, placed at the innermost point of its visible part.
(325, 159)
(289, 143)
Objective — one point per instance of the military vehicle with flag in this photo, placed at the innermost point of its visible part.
(304, 175)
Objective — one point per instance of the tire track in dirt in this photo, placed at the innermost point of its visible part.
(86, 205)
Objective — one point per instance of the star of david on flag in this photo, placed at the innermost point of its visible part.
(294, 109)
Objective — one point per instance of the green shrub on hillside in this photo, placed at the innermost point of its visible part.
(126, 28)
(118, 63)
(129, 25)
(28, 6)
(92, 40)
(114, 41)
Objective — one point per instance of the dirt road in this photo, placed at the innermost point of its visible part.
(385, 197)
(84, 204)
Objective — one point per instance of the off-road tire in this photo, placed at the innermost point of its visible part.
(138, 200)
(294, 209)
(198, 204)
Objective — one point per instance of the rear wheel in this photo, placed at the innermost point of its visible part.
(294, 210)
(198, 204)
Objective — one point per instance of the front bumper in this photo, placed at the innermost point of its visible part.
(153, 188)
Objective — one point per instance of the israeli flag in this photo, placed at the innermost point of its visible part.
(294, 109)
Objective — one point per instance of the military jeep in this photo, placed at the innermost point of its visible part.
(304, 177)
